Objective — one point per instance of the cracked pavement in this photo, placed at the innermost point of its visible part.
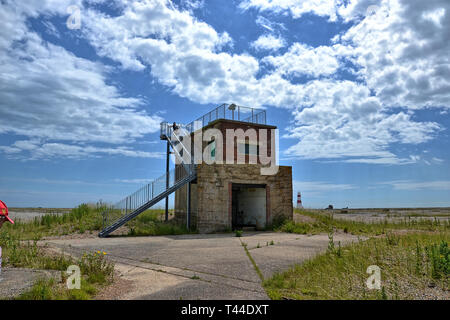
(200, 266)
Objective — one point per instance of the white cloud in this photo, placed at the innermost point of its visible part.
(341, 120)
(50, 95)
(51, 29)
(320, 186)
(268, 42)
(297, 8)
(180, 51)
(192, 4)
(301, 59)
(401, 61)
(270, 25)
(134, 181)
(48, 150)
(148, 29)
(403, 55)
(419, 185)
(400, 47)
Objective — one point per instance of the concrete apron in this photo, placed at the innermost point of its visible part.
(14, 281)
(206, 266)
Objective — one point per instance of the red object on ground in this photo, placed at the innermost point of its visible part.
(4, 211)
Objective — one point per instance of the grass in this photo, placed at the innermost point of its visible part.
(410, 264)
(323, 222)
(20, 250)
(88, 218)
(49, 289)
(96, 271)
(151, 223)
(255, 266)
(78, 220)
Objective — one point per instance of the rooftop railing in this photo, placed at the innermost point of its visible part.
(224, 111)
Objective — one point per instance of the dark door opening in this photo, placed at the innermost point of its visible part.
(248, 206)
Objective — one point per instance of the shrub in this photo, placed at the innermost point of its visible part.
(439, 256)
(278, 221)
(97, 268)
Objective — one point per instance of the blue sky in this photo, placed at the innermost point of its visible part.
(360, 90)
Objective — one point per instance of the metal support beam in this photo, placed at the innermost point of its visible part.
(167, 180)
(188, 213)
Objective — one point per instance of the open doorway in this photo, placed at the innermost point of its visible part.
(248, 206)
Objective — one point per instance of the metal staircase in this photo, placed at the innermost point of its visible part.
(152, 193)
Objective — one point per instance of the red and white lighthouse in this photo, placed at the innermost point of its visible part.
(299, 201)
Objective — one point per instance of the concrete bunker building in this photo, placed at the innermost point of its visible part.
(224, 177)
(236, 196)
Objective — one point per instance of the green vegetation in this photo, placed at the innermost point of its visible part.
(20, 249)
(238, 233)
(151, 223)
(42, 210)
(96, 271)
(88, 218)
(78, 220)
(323, 222)
(413, 266)
(49, 289)
(302, 227)
(258, 271)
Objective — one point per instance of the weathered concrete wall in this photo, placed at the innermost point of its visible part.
(212, 197)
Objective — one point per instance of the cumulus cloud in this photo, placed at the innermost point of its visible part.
(398, 52)
(178, 50)
(342, 119)
(301, 59)
(402, 52)
(268, 42)
(297, 8)
(50, 95)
